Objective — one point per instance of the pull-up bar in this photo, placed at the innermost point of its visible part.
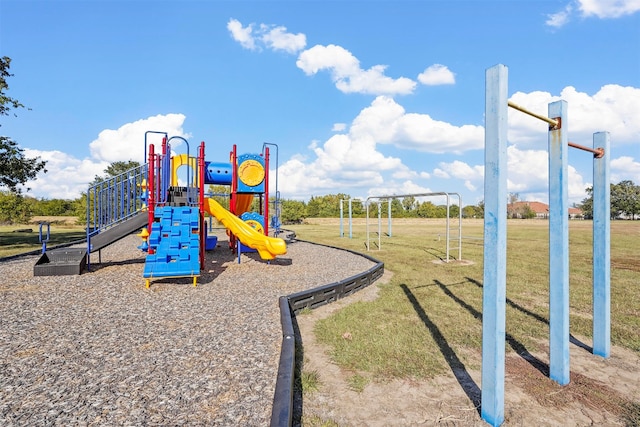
(552, 122)
(597, 152)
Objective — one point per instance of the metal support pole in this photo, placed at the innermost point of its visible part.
(558, 246)
(389, 218)
(601, 248)
(350, 220)
(459, 228)
(495, 246)
(447, 231)
(367, 222)
(341, 218)
(379, 225)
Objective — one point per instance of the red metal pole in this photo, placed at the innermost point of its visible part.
(234, 180)
(150, 191)
(200, 180)
(234, 192)
(266, 191)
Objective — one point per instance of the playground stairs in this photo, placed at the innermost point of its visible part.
(61, 262)
(174, 243)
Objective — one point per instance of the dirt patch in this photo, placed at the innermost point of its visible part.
(65, 220)
(602, 392)
(631, 264)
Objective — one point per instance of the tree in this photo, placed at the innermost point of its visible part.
(471, 211)
(115, 169)
(625, 200)
(292, 211)
(587, 204)
(397, 210)
(14, 208)
(409, 205)
(325, 206)
(220, 193)
(15, 168)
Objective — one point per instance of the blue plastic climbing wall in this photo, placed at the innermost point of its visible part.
(174, 238)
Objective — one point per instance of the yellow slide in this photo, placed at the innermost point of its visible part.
(267, 247)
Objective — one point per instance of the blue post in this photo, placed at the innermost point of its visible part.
(558, 245)
(389, 217)
(495, 245)
(350, 224)
(601, 248)
(341, 218)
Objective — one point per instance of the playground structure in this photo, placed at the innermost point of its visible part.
(495, 235)
(388, 198)
(171, 210)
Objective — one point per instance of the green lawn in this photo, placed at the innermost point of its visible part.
(389, 335)
(13, 241)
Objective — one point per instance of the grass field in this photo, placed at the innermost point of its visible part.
(16, 239)
(389, 338)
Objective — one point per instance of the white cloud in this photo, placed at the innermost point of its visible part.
(608, 8)
(439, 173)
(462, 170)
(242, 35)
(272, 37)
(127, 142)
(348, 76)
(613, 108)
(339, 127)
(387, 122)
(527, 175)
(277, 38)
(68, 177)
(602, 9)
(353, 160)
(437, 74)
(625, 168)
(399, 189)
(561, 18)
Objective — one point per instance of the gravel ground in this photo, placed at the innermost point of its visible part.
(101, 349)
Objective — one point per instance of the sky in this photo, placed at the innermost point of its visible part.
(365, 98)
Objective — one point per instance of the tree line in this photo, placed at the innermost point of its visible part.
(625, 201)
(328, 206)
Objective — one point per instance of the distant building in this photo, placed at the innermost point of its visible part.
(541, 210)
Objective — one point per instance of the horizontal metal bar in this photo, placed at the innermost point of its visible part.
(552, 122)
(597, 152)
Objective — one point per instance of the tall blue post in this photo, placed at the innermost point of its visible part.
(341, 217)
(558, 245)
(601, 248)
(495, 245)
(389, 217)
(350, 219)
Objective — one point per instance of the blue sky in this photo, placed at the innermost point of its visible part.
(361, 97)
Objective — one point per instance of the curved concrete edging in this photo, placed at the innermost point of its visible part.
(282, 410)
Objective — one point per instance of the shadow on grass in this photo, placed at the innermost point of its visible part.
(573, 340)
(439, 254)
(516, 345)
(458, 368)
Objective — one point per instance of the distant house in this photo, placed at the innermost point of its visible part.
(575, 213)
(541, 210)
